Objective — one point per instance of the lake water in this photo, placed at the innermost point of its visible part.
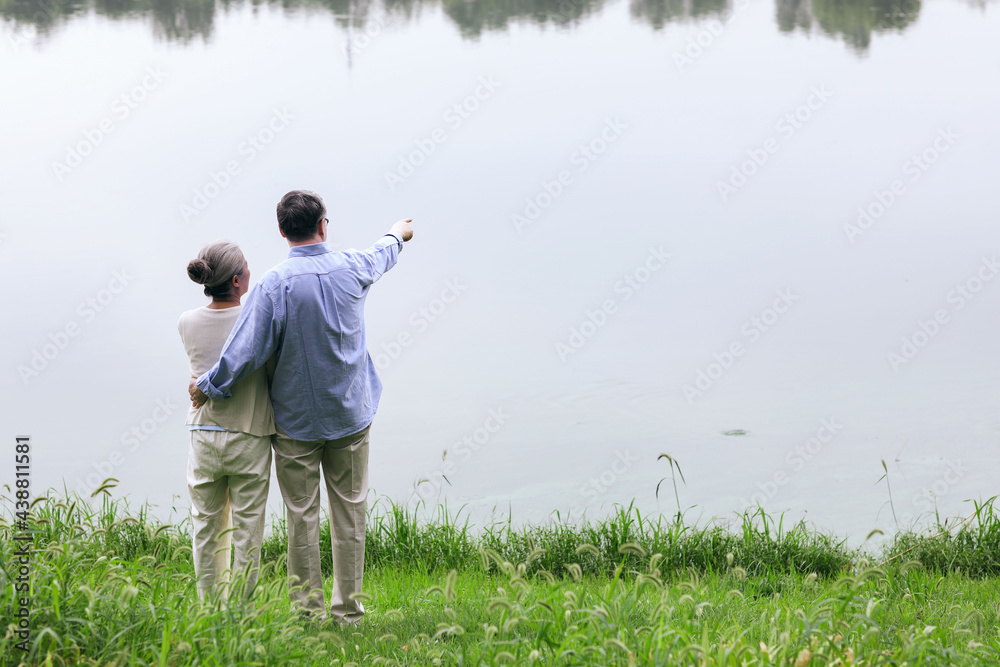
(759, 238)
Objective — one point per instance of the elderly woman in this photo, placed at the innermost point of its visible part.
(229, 463)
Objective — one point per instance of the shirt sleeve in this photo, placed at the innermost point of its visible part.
(251, 343)
(372, 263)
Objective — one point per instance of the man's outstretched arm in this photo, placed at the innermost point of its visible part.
(382, 255)
(251, 343)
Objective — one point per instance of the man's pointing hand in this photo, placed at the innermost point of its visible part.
(402, 229)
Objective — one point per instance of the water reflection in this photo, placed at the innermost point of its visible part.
(853, 21)
(658, 13)
(173, 20)
(179, 20)
(41, 16)
(475, 16)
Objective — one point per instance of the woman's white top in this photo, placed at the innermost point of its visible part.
(204, 332)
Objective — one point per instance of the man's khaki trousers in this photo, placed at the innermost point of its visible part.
(344, 463)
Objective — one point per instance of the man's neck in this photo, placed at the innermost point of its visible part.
(314, 240)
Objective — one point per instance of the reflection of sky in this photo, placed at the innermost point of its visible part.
(495, 346)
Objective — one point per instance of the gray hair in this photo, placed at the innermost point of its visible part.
(215, 267)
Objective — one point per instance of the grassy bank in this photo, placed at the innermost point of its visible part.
(114, 587)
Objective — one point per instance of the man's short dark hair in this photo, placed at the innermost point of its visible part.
(299, 214)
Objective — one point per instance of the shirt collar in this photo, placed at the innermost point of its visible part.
(306, 250)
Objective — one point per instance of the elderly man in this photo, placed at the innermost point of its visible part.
(309, 310)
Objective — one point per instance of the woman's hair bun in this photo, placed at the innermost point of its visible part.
(200, 271)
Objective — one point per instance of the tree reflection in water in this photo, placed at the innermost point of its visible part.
(853, 21)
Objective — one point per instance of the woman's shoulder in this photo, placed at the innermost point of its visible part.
(204, 312)
(190, 315)
(205, 316)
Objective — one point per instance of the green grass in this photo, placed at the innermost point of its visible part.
(112, 588)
